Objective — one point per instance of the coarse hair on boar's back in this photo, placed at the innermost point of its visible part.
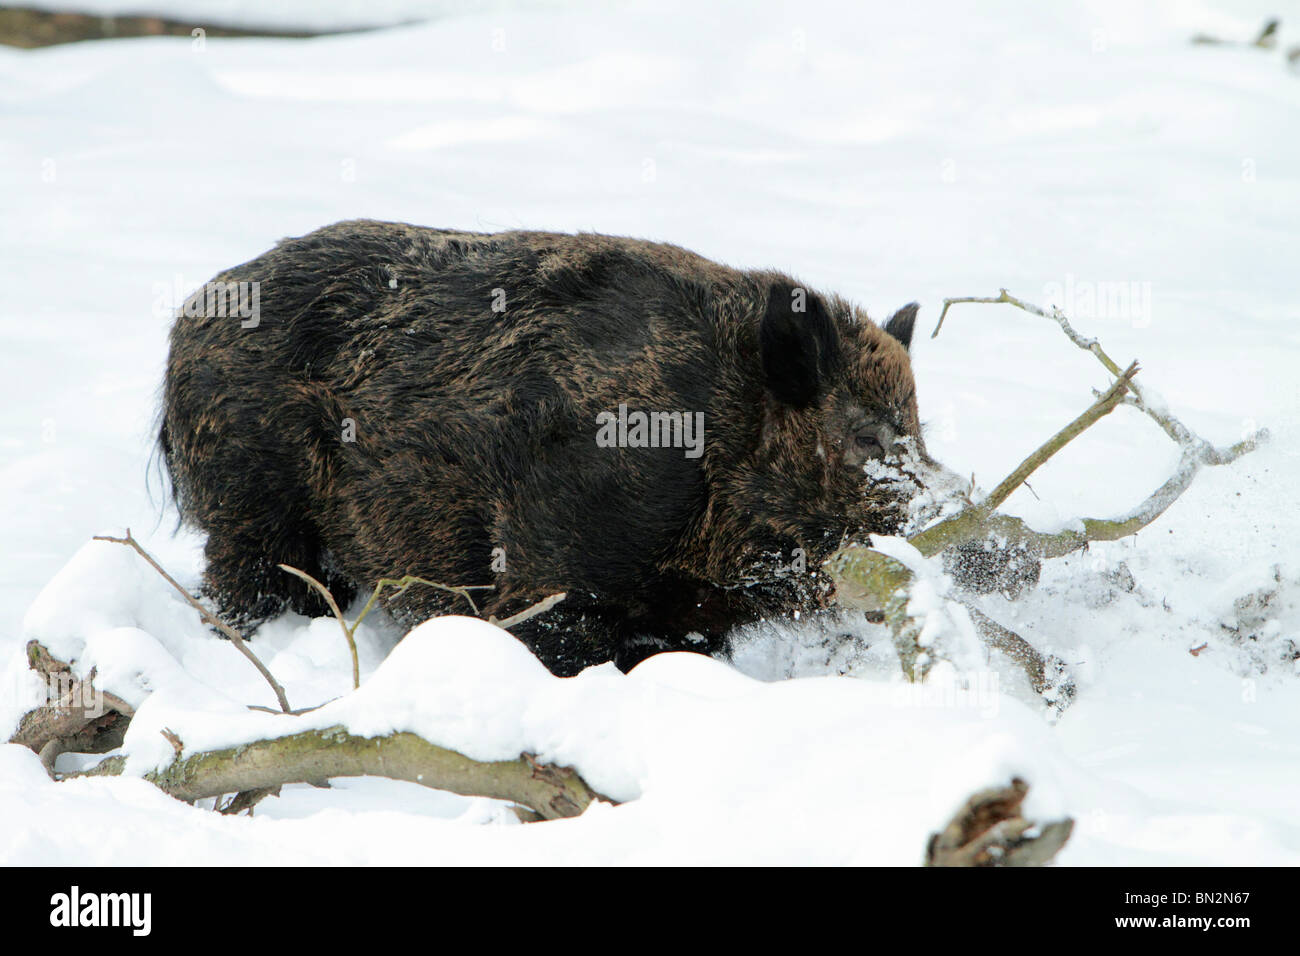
(675, 444)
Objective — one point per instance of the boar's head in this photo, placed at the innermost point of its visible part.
(836, 452)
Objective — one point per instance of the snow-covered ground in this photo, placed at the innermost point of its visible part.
(885, 151)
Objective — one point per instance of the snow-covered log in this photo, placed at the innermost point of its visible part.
(988, 830)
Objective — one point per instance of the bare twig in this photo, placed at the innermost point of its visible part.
(1266, 39)
(235, 637)
(1010, 531)
(174, 740)
(973, 521)
(349, 633)
(350, 630)
(245, 800)
(948, 303)
(970, 523)
(1174, 428)
(532, 611)
(405, 582)
(1103, 406)
(401, 584)
(296, 712)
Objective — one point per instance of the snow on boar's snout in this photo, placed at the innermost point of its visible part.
(675, 444)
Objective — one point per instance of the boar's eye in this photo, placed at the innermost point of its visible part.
(867, 445)
(869, 441)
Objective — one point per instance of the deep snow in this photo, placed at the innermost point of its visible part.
(883, 153)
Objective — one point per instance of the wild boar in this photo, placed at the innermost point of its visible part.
(675, 444)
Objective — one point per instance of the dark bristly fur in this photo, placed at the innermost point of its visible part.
(476, 429)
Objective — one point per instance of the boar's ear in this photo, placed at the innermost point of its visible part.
(900, 326)
(799, 344)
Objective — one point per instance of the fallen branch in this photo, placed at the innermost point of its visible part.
(538, 791)
(255, 770)
(550, 792)
(871, 581)
(1047, 674)
(76, 717)
(235, 637)
(989, 830)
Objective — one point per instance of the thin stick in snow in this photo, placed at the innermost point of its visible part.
(235, 637)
